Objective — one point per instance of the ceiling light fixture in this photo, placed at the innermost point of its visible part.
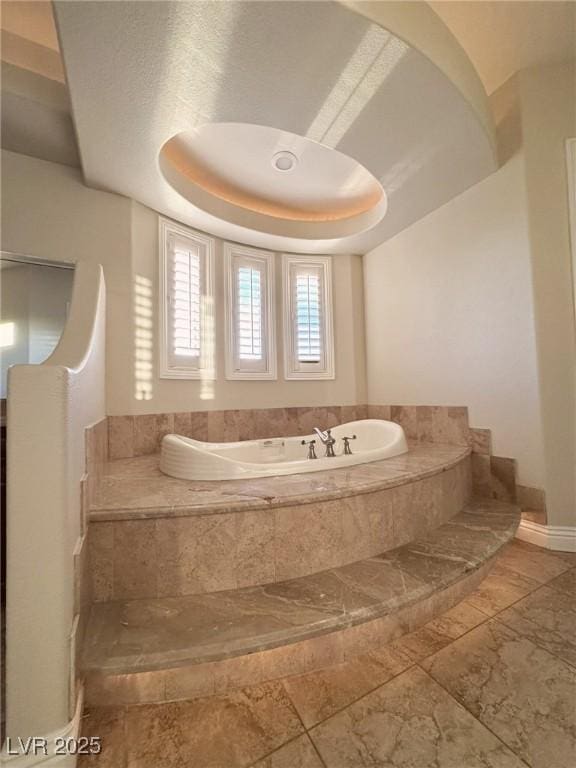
(284, 161)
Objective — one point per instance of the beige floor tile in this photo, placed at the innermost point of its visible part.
(410, 722)
(548, 618)
(458, 620)
(524, 694)
(566, 582)
(438, 633)
(107, 723)
(218, 732)
(569, 557)
(299, 753)
(424, 642)
(318, 695)
(537, 564)
(500, 589)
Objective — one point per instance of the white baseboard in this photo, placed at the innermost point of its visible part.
(560, 538)
(67, 731)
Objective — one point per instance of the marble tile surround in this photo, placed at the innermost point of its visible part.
(494, 477)
(172, 631)
(222, 676)
(229, 537)
(96, 447)
(141, 435)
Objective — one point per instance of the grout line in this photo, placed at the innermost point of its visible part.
(354, 701)
(535, 642)
(511, 605)
(531, 639)
(477, 719)
(306, 732)
(322, 761)
(285, 744)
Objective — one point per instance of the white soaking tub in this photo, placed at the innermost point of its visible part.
(191, 459)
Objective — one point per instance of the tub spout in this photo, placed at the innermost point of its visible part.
(327, 439)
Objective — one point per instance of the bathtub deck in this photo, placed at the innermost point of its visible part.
(133, 489)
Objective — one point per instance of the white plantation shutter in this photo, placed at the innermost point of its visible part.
(307, 286)
(309, 346)
(186, 301)
(249, 320)
(185, 295)
(250, 347)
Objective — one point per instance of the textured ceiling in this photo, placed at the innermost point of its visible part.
(140, 73)
(503, 37)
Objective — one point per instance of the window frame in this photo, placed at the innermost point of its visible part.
(266, 261)
(205, 368)
(293, 369)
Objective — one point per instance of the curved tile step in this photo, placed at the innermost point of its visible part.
(146, 650)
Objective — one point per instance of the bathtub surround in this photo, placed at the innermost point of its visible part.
(291, 627)
(130, 436)
(96, 453)
(494, 477)
(233, 554)
(213, 536)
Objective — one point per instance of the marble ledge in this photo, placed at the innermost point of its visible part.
(135, 489)
(147, 634)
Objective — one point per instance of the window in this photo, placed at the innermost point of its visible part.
(308, 334)
(186, 303)
(250, 327)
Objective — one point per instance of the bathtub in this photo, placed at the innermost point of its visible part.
(191, 459)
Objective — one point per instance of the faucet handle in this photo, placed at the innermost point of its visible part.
(347, 449)
(311, 450)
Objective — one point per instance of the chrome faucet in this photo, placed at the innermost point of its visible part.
(327, 440)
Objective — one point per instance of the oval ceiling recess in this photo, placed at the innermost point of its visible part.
(295, 126)
(272, 180)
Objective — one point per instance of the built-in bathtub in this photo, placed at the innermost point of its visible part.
(370, 440)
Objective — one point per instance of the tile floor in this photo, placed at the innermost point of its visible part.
(490, 684)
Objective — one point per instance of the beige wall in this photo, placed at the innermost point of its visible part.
(49, 213)
(450, 316)
(478, 296)
(548, 104)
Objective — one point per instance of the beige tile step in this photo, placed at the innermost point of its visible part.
(140, 649)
